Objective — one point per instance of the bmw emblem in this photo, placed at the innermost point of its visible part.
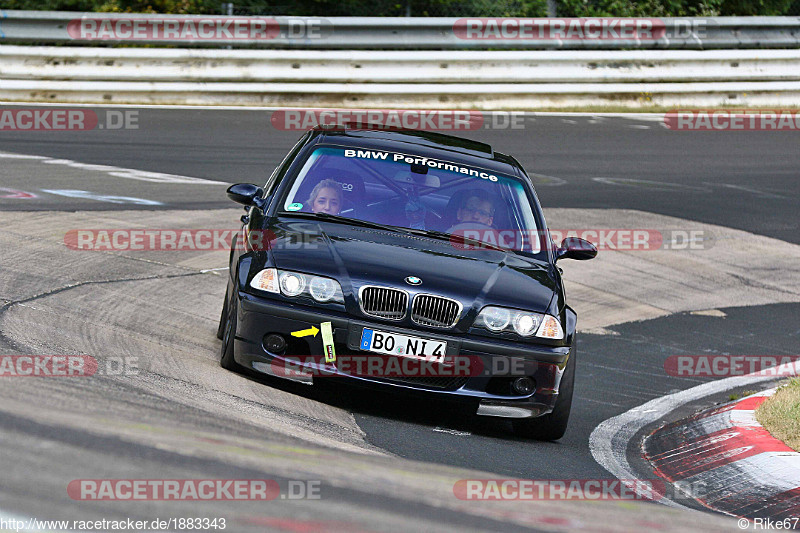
(413, 280)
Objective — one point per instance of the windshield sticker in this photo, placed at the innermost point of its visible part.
(297, 206)
(418, 160)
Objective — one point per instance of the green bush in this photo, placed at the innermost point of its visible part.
(654, 8)
(427, 8)
(758, 7)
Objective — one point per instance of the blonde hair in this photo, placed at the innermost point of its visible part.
(325, 184)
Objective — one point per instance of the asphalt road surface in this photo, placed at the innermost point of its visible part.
(742, 179)
(383, 462)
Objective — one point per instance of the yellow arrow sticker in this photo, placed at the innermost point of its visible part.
(313, 330)
(327, 342)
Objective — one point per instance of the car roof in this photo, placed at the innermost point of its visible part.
(425, 143)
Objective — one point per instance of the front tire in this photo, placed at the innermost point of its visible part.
(226, 359)
(223, 317)
(552, 426)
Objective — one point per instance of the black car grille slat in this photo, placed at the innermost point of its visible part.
(435, 311)
(383, 302)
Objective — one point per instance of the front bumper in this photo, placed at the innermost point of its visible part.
(488, 384)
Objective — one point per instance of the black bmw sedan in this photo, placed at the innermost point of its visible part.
(412, 261)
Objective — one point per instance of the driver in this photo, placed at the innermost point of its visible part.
(476, 208)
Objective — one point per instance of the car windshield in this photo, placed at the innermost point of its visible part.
(415, 193)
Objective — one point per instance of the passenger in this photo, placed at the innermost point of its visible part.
(326, 197)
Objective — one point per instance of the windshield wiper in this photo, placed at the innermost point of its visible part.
(433, 234)
(429, 233)
(347, 220)
(455, 237)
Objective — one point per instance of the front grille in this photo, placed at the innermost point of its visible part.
(383, 303)
(435, 311)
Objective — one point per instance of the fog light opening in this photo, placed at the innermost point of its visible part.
(524, 386)
(274, 343)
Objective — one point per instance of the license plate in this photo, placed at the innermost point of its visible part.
(405, 345)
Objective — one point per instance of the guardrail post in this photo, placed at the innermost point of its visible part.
(552, 8)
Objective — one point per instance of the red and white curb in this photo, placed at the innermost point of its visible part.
(733, 464)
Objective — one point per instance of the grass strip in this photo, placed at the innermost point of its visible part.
(780, 414)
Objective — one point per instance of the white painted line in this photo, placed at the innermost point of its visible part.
(76, 193)
(644, 117)
(609, 441)
(119, 172)
(142, 175)
(709, 312)
(600, 331)
(760, 194)
(7, 155)
(452, 431)
(651, 184)
(541, 179)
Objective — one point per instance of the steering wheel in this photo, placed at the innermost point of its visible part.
(475, 225)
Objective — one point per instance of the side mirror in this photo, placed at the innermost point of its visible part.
(246, 194)
(576, 248)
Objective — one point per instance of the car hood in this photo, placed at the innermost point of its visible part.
(359, 256)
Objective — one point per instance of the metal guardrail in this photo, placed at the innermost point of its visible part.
(397, 67)
(491, 80)
(396, 33)
(426, 62)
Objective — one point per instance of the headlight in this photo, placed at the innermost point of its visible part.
(322, 289)
(526, 324)
(294, 284)
(495, 318)
(523, 323)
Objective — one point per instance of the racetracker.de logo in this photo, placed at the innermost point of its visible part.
(561, 29)
(173, 489)
(47, 366)
(67, 119)
(558, 489)
(389, 366)
(174, 28)
(393, 119)
(183, 240)
(47, 119)
(722, 366)
(733, 120)
(481, 238)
